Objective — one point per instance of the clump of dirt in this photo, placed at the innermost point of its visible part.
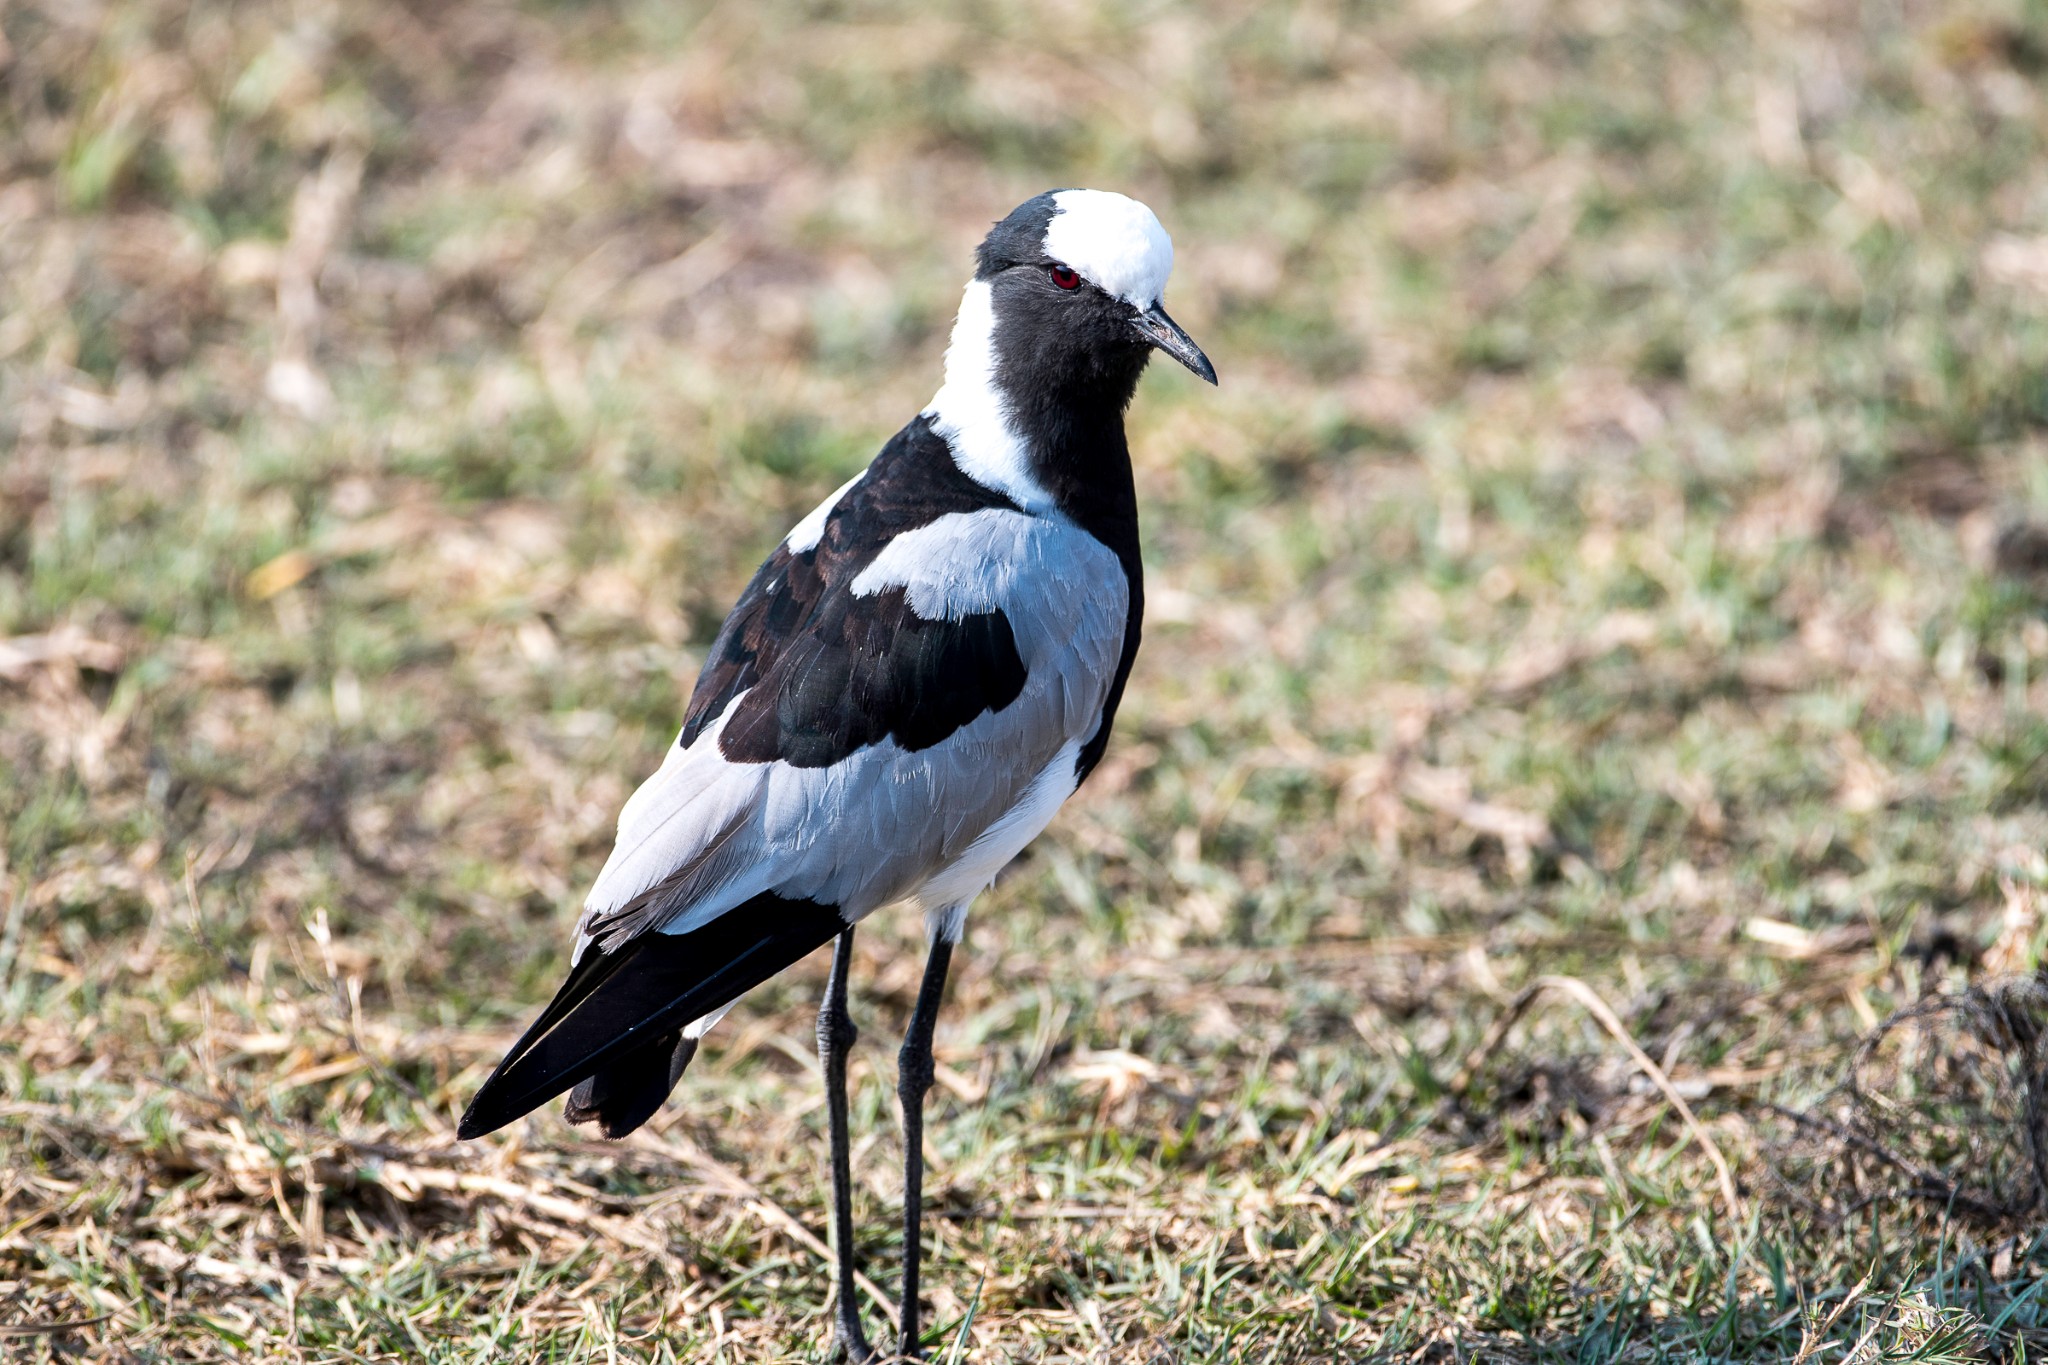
(1944, 1106)
(1545, 1099)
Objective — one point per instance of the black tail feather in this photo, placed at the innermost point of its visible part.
(625, 1094)
(616, 1022)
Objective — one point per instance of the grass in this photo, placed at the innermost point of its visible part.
(1615, 553)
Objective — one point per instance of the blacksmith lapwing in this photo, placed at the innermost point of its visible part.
(907, 690)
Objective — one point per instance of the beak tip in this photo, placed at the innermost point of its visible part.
(1157, 329)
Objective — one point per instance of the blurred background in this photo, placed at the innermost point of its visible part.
(1566, 881)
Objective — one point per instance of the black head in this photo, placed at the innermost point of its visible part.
(1075, 279)
(1053, 332)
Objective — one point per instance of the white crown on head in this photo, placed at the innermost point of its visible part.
(1115, 242)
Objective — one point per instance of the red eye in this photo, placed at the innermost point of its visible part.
(1065, 278)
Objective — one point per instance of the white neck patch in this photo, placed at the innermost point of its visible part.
(1115, 242)
(970, 412)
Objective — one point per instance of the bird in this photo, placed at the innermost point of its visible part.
(916, 678)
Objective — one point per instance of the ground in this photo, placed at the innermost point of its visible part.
(1566, 883)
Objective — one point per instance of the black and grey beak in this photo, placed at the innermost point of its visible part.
(1159, 330)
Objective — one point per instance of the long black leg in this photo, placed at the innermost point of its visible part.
(836, 1035)
(913, 1080)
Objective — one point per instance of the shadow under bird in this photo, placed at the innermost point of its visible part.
(915, 680)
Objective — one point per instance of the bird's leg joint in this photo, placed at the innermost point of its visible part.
(915, 1071)
(837, 1032)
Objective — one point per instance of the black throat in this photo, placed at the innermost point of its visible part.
(1066, 376)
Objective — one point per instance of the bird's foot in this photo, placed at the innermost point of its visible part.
(850, 1343)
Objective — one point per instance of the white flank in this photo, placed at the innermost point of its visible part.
(1115, 242)
(805, 535)
(971, 414)
(970, 874)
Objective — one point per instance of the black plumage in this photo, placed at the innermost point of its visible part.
(826, 672)
(865, 669)
(620, 1013)
(626, 1093)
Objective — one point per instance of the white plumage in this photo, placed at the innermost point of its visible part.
(971, 414)
(1115, 242)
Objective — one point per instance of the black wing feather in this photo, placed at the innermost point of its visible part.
(869, 669)
(826, 673)
(626, 1093)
